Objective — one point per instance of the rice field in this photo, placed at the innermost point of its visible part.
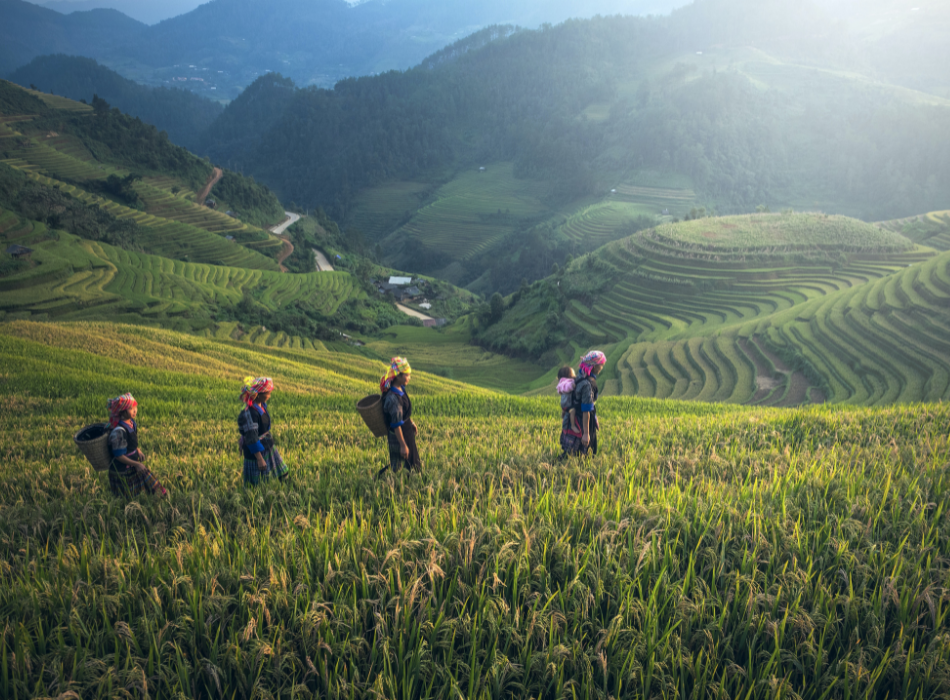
(601, 223)
(768, 231)
(708, 551)
(866, 333)
(474, 211)
(76, 279)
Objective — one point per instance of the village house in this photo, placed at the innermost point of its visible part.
(19, 251)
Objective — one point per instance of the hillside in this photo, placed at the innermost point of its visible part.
(107, 209)
(707, 549)
(637, 117)
(767, 309)
(183, 114)
(70, 151)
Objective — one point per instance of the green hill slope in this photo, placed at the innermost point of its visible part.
(707, 549)
(772, 309)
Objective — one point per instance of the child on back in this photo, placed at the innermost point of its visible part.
(565, 387)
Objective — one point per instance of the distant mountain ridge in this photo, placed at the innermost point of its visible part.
(28, 31)
(228, 43)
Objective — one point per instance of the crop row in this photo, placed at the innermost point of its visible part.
(173, 238)
(880, 343)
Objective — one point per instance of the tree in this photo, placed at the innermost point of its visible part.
(497, 304)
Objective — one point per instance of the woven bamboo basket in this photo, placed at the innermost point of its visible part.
(93, 441)
(371, 410)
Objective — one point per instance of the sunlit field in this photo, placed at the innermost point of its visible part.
(707, 551)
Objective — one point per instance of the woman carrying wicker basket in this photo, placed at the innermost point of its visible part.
(127, 475)
(261, 458)
(397, 411)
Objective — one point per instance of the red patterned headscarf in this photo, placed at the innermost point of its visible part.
(592, 359)
(397, 366)
(118, 405)
(254, 386)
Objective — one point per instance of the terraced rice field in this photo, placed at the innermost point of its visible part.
(707, 551)
(449, 353)
(730, 323)
(75, 279)
(601, 223)
(377, 211)
(938, 230)
(657, 199)
(179, 228)
(474, 211)
(178, 239)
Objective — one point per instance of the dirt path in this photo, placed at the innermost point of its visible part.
(323, 265)
(287, 251)
(216, 175)
(412, 312)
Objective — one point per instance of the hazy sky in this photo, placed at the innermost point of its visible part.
(153, 11)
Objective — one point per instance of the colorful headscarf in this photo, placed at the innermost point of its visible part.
(397, 366)
(595, 358)
(254, 386)
(118, 405)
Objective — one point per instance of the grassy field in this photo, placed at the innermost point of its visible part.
(708, 551)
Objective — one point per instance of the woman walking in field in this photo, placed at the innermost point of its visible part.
(127, 475)
(584, 403)
(261, 458)
(397, 410)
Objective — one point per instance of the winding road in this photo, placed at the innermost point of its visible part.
(286, 223)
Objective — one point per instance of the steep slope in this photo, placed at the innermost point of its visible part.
(183, 114)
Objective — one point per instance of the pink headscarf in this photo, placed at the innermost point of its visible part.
(595, 358)
(118, 405)
(253, 387)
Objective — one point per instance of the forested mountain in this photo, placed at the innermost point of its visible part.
(741, 103)
(224, 45)
(28, 31)
(183, 114)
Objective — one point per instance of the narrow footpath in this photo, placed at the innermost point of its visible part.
(216, 175)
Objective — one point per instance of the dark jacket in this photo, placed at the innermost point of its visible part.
(254, 426)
